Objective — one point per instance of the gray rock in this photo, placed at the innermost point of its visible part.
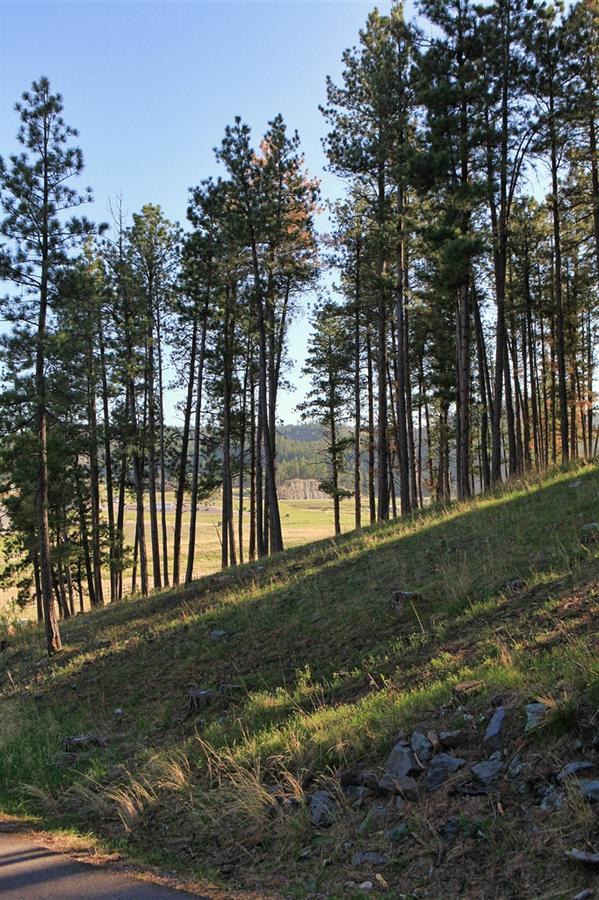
(441, 768)
(216, 634)
(322, 808)
(401, 761)
(376, 814)
(369, 858)
(369, 778)
(199, 698)
(574, 767)
(535, 714)
(400, 598)
(451, 739)
(357, 792)
(585, 895)
(515, 766)
(591, 859)
(421, 745)
(398, 833)
(405, 786)
(450, 829)
(589, 789)
(493, 736)
(553, 799)
(83, 743)
(487, 771)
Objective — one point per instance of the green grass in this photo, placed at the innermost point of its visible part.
(328, 674)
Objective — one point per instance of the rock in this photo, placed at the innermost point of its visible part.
(421, 745)
(450, 830)
(488, 771)
(574, 485)
(357, 792)
(589, 789)
(574, 767)
(216, 634)
(400, 598)
(441, 768)
(322, 808)
(553, 799)
(466, 688)
(535, 713)
(369, 858)
(517, 584)
(585, 895)
(583, 856)
(365, 886)
(377, 812)
(405, 786)
(493, 736)
(401, 761)
(398, 833)
(451, 739)
(515, 766)
(199, 698)
(370, 779)
(118, 712)
(590, 533)
(83, 743)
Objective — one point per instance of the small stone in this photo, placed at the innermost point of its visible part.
(398, 833)
(377, 812)
(400, 598)
(421, 745)
(82, 743)
(591, 859)
(401, 762)
(535, 713)
(405, 786)
(450, 830)
(589, 789)
(440, 770)
(517, 584)
(574, 767)
(369, 858)
(515, 766)
(365, 886)
(357, 792)
(216, 634)
(370, 779)
(118, 712)
(494, 732)
(574, 485)
(199, 698)
(487, 771)
(585, 895)
(553, 799)
(451, 739)
(322, 808)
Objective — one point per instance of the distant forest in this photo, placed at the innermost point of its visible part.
(461, 326)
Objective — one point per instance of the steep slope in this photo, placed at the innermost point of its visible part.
(275, 772)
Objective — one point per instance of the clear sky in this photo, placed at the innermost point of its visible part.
(151, 86)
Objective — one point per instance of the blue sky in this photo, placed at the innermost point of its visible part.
(151, 86)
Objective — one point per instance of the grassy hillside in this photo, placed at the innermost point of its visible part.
(314, 679)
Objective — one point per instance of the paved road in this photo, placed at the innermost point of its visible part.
(31, 872)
